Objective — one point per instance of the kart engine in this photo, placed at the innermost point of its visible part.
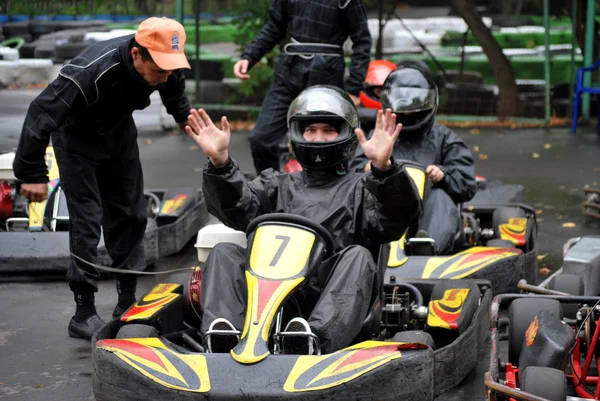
(403, 308)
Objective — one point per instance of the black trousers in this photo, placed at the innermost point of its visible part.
(440, 219)
(338, 297)
(105, 196)
(292, 75)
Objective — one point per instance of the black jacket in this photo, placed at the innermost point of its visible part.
(441, 147)
(366, 209)
(317, 21)
(89, 108)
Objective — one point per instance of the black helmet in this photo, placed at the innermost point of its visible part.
(412, 94)
(323, 104)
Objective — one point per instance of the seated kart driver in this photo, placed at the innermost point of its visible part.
(411, 93)
(361, 210)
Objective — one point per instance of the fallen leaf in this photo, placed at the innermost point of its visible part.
(539, 211)
(483, 156)
(594, 183)
(475, 148)
(535, 155)
(469, 208)
(198, 169)
(569, 225)
(541, 257)
(544, 271)
(596, 168)
(148, 141)
(547, 146)
(193, 147)
(58, 368)
(475, 131)
(548, 207)
(540, 220)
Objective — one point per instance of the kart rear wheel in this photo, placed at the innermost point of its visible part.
(544, 382)
(570, 284)
(137, 331)
(520, 315)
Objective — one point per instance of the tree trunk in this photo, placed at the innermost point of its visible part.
(580, 19)
(501, 67)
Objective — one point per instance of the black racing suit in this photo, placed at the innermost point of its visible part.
(439, 146)
(87, 111)
(305, 21)
(360, 210)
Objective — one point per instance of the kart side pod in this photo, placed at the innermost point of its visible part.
(547, 342)
(282, 255)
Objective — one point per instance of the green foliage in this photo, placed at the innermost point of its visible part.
(250, 17)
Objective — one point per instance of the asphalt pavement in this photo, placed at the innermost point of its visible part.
(39, 362)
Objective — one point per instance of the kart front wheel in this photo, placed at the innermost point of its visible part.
(137, 331)
(544, 382)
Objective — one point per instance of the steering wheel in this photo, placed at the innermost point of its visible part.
(295, 219)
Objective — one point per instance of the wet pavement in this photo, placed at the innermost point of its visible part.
(39, 360)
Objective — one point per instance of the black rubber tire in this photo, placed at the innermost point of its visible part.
(544, 382)
(70, 50)
(43, 52)
(27, 50)
(520, 315)
(137, 331)
(570, 284)
(500, 243)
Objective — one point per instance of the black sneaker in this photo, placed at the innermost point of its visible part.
(301, 343)
(221, 336)
(85, 329)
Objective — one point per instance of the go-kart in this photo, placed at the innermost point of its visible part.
(35, 236)
(552, 332)
(420, 338)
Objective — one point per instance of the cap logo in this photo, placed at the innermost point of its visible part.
(175, 42)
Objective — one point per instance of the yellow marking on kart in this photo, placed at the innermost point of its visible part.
(253, 346)
(418, 176)
(172, 205)
(466, 263)
(280, 252)
(445, 312)
(345, 365)
(37, 209)
(514, 230)
(160, 296)
(397, 257)
(152, 358)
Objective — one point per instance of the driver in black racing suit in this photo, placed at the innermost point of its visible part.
(412, 94)
(361, 210)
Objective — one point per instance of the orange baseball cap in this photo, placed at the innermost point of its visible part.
(165, 39)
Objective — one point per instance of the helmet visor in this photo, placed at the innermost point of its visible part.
(402, 100)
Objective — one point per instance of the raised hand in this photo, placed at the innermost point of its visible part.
(213, 141)
(379, 148)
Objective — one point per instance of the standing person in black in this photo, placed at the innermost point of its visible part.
(317, 29)
(87, 111)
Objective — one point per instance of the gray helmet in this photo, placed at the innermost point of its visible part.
(412, 94)
(323, 104)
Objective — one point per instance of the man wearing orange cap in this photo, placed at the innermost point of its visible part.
(87, 111)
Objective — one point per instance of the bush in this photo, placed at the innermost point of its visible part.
(250, 17)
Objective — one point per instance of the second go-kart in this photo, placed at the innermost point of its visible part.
(420, 338)
(35, 236)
